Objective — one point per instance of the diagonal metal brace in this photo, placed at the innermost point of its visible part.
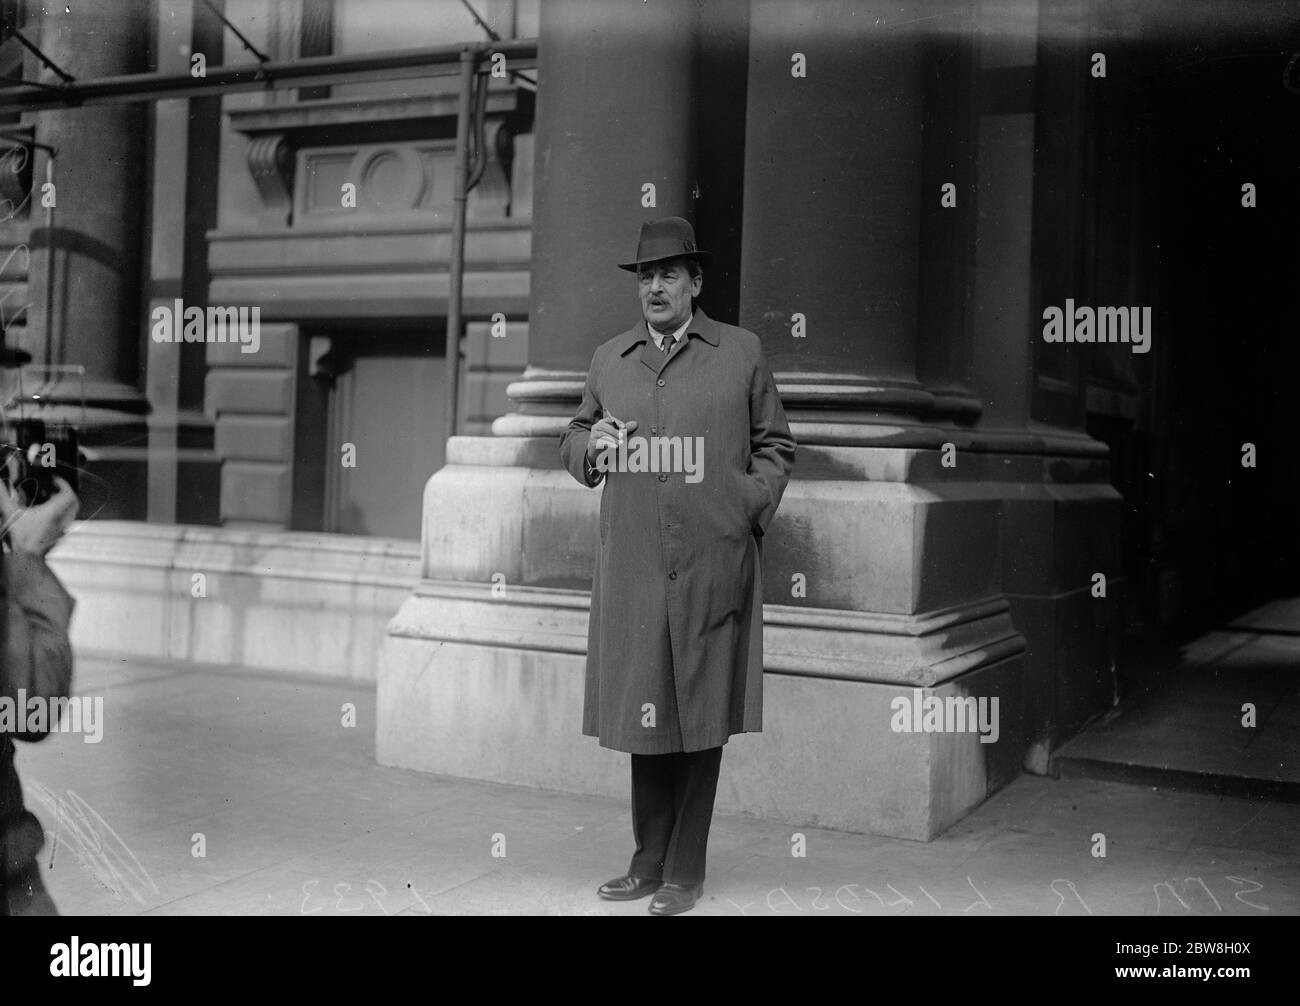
(492, 34)
(261, 56)
(31, 47)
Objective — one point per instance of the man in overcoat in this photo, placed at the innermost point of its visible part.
(681, 422)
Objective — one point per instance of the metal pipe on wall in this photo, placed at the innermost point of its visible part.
(335, 69)
(455, 293)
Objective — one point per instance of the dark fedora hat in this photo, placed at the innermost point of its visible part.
(671, 237)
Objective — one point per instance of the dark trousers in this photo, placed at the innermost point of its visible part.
(672, 808)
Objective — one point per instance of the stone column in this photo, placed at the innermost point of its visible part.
(614, 114)
(926, 485)
(1061, 518)
(491, 644)
(855, 281)
(85, 264)
(832, 203)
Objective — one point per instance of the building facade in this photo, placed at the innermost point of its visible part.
(897, 194)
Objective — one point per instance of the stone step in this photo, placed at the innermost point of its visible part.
(1223, 722)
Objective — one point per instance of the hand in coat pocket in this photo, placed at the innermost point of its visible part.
(754, 499)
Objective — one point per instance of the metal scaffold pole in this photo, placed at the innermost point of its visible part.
(31, 96)
(455, 292)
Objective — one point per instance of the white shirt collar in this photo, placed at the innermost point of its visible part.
(676, 336)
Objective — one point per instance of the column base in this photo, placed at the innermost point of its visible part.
(492, 688)
(885, 572)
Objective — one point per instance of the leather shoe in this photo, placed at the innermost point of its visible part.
(628, 888)
(673, 899)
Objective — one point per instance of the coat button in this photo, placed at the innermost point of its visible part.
(663, 478)
(672, 575)
(661, 382)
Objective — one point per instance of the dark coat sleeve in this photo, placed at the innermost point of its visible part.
(573, 444)
(37, 652)
(35, 656)
(771, 445)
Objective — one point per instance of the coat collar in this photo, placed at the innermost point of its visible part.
(702, 325)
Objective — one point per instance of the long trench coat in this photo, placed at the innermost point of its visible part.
(675, 640)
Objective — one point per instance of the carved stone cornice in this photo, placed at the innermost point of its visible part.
(403, 134)
(270, 162)
(910, 650)
(400, 116)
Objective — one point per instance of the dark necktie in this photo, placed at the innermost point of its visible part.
(666, 344)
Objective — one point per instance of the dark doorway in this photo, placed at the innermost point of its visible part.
(1212, 125)
(373, 429)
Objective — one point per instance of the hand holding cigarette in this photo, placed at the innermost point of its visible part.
(606, 434)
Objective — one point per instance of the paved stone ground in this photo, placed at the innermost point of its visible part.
(297, 819)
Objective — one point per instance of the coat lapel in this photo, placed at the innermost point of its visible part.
(653, 357)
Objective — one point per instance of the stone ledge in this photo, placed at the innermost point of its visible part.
(925, 649)
(533, 441)
(282, 601)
